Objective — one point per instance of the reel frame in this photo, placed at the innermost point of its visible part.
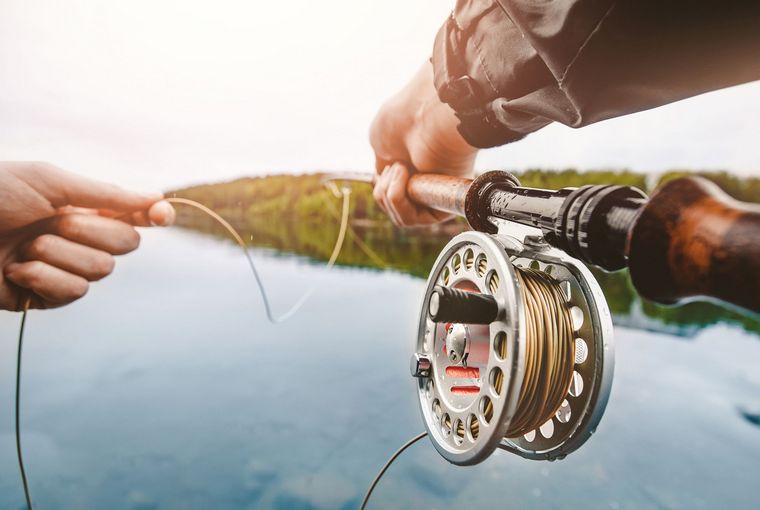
(450, 417)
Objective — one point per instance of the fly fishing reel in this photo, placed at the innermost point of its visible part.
(514, 349)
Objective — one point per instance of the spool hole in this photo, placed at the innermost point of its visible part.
(564, 413)
(530, 436)
(446, 275)
(446, 425)
(576, 385)
(576, 315)
(473, 428)
(581, 351)
(481, 265)
(547, 429)
(500, 345)
(486, 409)
(493, 282)
(469, 259)
(456, 263)
(437, 411)
(458, 431)
(496, 379)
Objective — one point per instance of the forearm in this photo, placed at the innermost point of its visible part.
(434, 128)
(509, 68)
(416, 127)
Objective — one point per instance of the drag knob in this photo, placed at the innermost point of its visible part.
(459, 306)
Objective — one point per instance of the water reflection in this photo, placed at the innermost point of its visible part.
(750, 416)
(165, 388)
(414, 251)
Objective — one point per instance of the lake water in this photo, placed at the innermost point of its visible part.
(165, 388)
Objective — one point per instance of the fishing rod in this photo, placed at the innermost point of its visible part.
(515, 341)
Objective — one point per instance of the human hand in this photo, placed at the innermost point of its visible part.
(60, 231)
(415, 131)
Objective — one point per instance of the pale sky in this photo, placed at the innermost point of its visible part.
(158, 94)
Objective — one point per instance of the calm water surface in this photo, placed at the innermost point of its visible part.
(165, 388)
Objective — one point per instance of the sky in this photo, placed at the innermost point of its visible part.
(157, 94)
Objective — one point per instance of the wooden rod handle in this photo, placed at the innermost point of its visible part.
(692, 239)
(441, 192)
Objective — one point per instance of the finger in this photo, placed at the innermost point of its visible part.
(396, 198)
(136, 219)
(161, 214)
(34, 301)
(70, 209)
(381, 165)
(37, 303)
(89, 263)
(55, 286)
(378, 192)
(383, 190)
(64, 188)
(107, 234)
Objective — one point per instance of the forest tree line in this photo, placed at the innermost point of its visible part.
(302, 197)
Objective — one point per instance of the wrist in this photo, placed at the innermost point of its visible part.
(434, 127)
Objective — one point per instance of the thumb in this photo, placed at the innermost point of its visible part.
(65, 188)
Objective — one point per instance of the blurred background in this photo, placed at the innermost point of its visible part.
(163, 94)
(165, 387)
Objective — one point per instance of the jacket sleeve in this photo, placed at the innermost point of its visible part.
(510, 67)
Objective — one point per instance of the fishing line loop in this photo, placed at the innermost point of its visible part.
(344, 193)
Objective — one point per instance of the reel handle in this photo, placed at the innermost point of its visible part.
(692, 239)
(454, 305)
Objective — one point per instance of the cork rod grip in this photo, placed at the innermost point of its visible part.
(441, 192)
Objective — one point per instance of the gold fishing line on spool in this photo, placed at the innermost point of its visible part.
(549, 353)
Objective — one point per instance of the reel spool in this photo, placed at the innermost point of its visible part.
(514, 349)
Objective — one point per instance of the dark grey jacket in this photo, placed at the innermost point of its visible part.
(510, 67)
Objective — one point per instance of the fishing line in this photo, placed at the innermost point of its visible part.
(344, 193)
(18, 403)
(388, 465)
(356, 239)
